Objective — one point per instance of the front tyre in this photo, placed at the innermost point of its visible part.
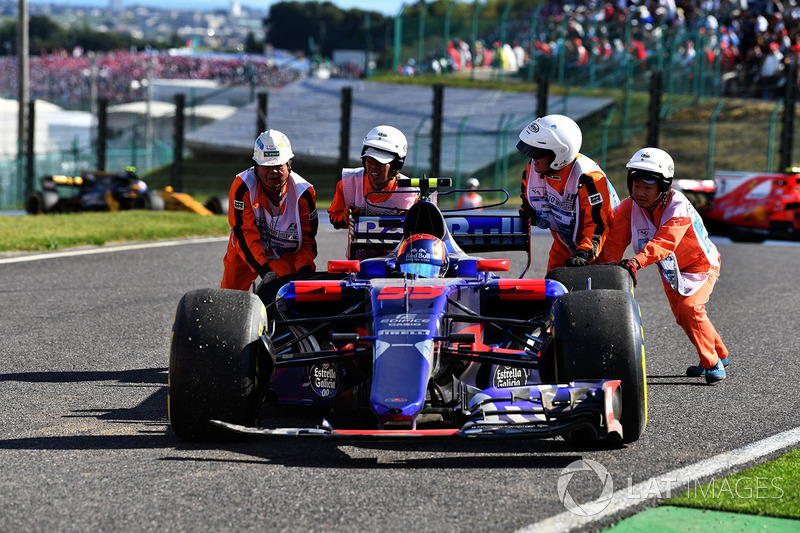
(600, 276)
(597, 334)
(216, 358)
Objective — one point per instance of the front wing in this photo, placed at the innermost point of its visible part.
(534, 411)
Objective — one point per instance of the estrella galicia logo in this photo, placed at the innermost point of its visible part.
(509, 376)
(588, 508)
(324, 380)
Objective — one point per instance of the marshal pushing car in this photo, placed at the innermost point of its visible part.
(424, 339)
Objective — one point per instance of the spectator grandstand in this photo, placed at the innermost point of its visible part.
(65, 78)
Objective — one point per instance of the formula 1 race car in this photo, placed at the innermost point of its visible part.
(96, 190)
(748, 206)
(93, 191)
(390, 351)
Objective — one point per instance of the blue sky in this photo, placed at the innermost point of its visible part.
(387, 7)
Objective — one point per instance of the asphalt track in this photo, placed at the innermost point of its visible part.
(84, 443)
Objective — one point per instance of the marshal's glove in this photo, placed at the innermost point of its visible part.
(266, 279)
(580, 259)
(353, 212)
(631, 265)
(527, 214)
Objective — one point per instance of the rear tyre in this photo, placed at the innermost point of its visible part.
(41, 202)
(216, 359)
(597, 334)
(218, 205)
(153, 201)
(608, 276)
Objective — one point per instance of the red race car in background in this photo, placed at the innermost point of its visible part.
(748, 206)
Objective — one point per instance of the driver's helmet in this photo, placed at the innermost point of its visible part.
(424, 255)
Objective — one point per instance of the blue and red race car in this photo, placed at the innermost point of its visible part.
(377, 352)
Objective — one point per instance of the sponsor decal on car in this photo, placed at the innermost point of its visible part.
(324, 380)
(405, 320)
(509, 376)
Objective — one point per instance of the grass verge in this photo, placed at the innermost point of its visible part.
(770, 489)
(54, 232)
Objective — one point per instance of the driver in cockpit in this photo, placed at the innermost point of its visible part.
(424, 255)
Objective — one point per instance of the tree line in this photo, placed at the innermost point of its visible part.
(315, 28)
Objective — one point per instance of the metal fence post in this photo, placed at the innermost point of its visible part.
(102, 132)
(30, 157)
(436, 130)
(261, 113)
(398, 43)
(542, 88)
(787, 136)
(177, 162)
(344, 128)
(654, 122)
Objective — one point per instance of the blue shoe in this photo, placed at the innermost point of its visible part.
(716, 373)
(697, 371)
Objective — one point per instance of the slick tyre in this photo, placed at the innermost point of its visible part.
(218, 205)
(597, 334)
(41, 202)
(608, 276)
(214, 362)
(153, 201)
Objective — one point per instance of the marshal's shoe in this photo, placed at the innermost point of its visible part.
(698, 371)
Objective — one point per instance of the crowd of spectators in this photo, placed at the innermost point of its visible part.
(66, 78)
(748, 43)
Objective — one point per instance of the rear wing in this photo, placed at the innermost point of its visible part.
(472, 233)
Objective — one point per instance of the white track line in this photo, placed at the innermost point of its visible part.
(107, 249)
(679, 480)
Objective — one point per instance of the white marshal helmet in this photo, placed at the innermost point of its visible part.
(652, 165)
(557, 133)
(272, 148)
(387, 145)
(653, 160)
